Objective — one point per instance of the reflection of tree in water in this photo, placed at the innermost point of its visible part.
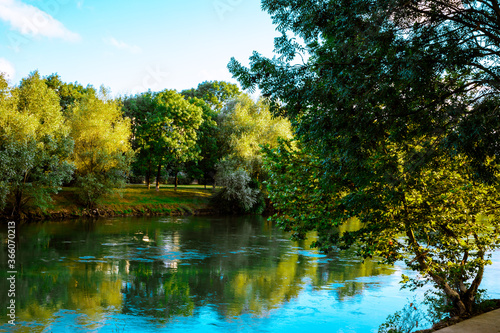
(345, 268)
(45, 288)
(46, 284)
(155, 292)
(166, 270)
(252, 269)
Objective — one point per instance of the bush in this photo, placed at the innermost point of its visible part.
(93, 186)
(237, 194)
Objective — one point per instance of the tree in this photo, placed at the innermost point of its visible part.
(174, 125)
(214, 93)
(394, 99)
(212, 97)
(102, 151)
(34, 144)
(68, 93)
(244, 127)
(140, 110)
(441, 215)
(207, 144)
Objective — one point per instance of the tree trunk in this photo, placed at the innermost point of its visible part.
(158, 177)
(17, 203)
(176, 178)
(458, 303)
(148, 176)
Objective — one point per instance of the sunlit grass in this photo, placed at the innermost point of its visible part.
(137, 198)
(140, 195)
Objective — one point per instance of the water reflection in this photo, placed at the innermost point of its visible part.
(177, 273)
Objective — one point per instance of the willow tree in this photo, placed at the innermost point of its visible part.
(34, 144)
(102, 153)
(390, 98)
(245, 126)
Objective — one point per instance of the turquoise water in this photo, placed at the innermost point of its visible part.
(194, 274)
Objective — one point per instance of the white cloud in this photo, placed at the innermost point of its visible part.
(7, 68)
(30, 20)
(122, 45)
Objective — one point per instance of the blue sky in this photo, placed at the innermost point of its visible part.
(131, 46)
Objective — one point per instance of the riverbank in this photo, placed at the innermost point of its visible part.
(484, 320)
(488, 322)
(133, 200)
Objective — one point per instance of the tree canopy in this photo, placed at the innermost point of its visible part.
(102, 148)
(395, 106)
(386, 64)
(245, 126)
(176, 126)
(34, 144)
(165, 127)
(214, 93)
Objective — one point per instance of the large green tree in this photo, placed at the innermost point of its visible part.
(140, 109)
(395, 106)
(68, 93)
(34, 144)
(175, 122)
(212, 97)
(207, 136)
(166, 129)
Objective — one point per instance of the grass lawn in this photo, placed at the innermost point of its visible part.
(136, 198)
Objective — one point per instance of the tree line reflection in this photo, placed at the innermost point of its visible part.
(169, 268)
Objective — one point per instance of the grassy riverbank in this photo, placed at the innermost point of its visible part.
(132, 200)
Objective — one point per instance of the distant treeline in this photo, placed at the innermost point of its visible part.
(55, 134)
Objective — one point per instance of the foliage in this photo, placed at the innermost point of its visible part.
(102, 150)
(165, 130)
(212, 97)
(214, 93)
(175, 123)
(374, 68)
(245, 126)
(403, 321)
(34, 145)
(140, 110)
(439, 307)
(68, 93)
(206, 143)
(237, 194)
(436, 210)
(395, 108)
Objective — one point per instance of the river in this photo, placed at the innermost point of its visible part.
(193, 274)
